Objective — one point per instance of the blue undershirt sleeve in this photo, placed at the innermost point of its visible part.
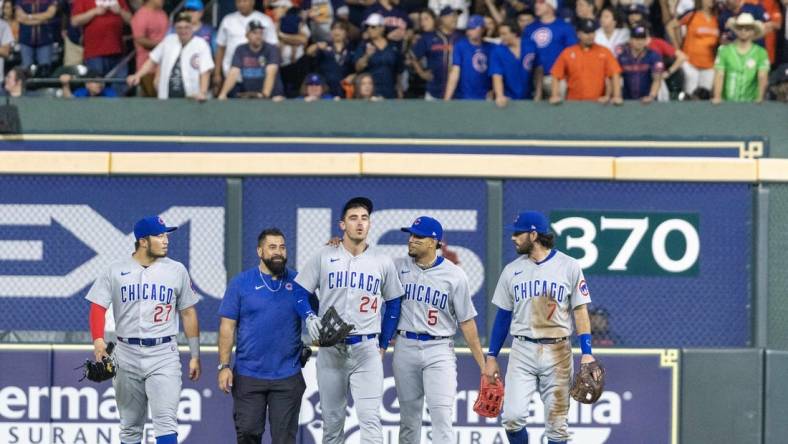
(503, 320)
(390, 321)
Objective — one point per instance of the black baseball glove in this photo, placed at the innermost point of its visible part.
(100, 371)
(333, 329)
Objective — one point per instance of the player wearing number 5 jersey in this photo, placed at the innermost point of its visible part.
(357, 280)
(147, 292)
(536, 295)
(437, 297)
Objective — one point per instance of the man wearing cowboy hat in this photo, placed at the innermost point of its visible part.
(742, 67)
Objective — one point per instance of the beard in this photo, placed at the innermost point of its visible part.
(525, 248)
(276, 264)
(151, 254)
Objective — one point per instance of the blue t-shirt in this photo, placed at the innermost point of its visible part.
(436, 48)
(268, 325)
(549, 40)
(473, 61)
(252, 65)
(516, 72)
(82, 93)
(384, 66)
(637, 71)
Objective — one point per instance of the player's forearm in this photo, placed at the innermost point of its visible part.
(451, 83)
(226, 339)
(582, 322)
(191, 327)
(96, 321)
(497, 81)
(503, 320)
(389, 323)
(471, 335)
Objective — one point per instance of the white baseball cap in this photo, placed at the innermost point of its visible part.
(374, 19)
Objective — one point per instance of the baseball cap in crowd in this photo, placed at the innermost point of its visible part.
(446, 10)
(314, 79)
(151, 226)
(183, 16)
(374, 19)
(635, 8)
(552, 3)
(193, 5)
(638, 32)
(425, 226)
(586, 25)
(359, 201)
(475, 21)
(528, 221)
(254, 25)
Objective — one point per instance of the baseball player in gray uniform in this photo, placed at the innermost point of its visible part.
(437, 297)
(146, 292)
(357, 280)
(535, 296)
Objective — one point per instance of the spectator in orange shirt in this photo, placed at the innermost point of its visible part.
(590, 70)
(700, 45)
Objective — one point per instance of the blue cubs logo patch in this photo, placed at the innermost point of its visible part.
(542, 37)
(583, 287)
(479, 61)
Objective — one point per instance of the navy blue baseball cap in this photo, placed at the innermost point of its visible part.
(475, 21)
(151, 226)
(425, 226)
(528, 221)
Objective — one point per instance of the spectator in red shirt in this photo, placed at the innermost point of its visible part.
(590, 70)
(102, 24)
(149, 26)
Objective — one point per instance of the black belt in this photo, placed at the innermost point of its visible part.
(146, 342)
(543, 340)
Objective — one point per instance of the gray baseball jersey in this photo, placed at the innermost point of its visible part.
(353, 285)
(540, 295)
(436, 299)
(145, 301)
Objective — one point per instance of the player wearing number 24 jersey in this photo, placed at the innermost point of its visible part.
(358, 281)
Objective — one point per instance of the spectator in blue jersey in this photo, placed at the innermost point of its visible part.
(642, 68)
(334, 58)
(381, 58)
(435, 47)
(262, 309)
(257, 64)
(468, 78)
(395, 20)
(315, 88)
(511, 65)
(92, 87)
(550, 36)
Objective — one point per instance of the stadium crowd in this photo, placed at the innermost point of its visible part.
(501, 50)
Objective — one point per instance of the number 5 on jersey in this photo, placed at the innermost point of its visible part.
(432, 316)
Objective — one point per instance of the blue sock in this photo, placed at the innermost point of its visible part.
(172, 438)
(518, 437)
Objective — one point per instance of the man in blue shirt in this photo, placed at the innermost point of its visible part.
(642, 68)
(468, 75)
(260, 304)
(511, 65)
(436, 46)
(550, 36)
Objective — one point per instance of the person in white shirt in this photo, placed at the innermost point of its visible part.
(232, 33)
(610, 34)
(185, 63)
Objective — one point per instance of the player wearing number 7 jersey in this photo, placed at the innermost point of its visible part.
(437, 297)
(147, 291)
(357, 280)
(536, 295)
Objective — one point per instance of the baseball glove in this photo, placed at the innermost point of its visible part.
(100, 371)
(490, 398)
(333, 329)
(589, 383)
